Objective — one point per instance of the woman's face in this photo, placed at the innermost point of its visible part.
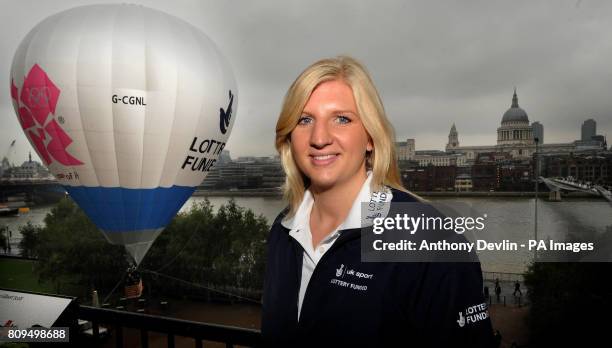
(329, 142)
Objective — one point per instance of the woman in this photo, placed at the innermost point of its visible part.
(337, 150)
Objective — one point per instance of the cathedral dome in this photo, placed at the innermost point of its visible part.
(515, 113)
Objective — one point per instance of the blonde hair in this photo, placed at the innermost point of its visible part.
(381, 160)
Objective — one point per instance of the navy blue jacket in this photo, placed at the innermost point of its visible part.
(353, 303)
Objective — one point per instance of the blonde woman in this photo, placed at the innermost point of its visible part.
(337, 149)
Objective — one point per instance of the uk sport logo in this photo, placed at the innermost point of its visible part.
(35, 102)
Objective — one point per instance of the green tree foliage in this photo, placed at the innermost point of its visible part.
(71, 248)
(215, 250)
(29, 239)
(3, 237)
(222, 249)
(571, 303)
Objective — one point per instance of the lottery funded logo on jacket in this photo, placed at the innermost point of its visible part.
(351, 279)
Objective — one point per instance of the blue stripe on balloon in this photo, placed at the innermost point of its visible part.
(117, 209)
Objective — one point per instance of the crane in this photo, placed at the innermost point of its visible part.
(6, 158)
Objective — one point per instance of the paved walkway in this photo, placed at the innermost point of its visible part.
(511, 321)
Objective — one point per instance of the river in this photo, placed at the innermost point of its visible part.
(507, 218)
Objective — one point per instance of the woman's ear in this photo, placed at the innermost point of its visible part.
(370, 145)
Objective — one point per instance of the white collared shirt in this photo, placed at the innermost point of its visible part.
(299, 226)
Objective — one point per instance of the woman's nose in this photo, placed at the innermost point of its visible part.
(320, 136)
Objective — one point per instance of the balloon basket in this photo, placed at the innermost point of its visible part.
(134, 290)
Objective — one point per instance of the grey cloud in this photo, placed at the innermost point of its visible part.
(435, 63)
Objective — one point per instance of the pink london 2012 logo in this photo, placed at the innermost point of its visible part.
(37, 100)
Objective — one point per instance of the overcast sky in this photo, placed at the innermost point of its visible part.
(434, 62)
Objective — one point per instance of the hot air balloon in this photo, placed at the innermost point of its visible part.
(129, 108)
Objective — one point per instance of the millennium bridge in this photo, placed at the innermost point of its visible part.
(566, 185)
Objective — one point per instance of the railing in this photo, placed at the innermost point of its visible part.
(170, 326)
(503, 276)
(513, 300)
(507, 297)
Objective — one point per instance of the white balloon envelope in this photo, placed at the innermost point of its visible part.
(129, 108)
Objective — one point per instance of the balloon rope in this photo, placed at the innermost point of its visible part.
(202, 286)
(115, 288)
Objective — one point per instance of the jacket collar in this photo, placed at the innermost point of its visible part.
(380, 200)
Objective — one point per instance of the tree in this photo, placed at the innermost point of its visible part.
(72, 250)
(29, 239)
(222, 249)
(3, 237)
(570, 303)
(198, 246)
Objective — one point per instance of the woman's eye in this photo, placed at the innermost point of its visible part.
(305, 120)
(343, 119)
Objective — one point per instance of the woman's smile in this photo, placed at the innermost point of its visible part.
(323, 160)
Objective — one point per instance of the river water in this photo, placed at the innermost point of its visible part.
(507, 218)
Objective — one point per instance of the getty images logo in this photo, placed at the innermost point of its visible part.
(226, 115)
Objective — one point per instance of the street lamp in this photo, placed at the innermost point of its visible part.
(537, 179)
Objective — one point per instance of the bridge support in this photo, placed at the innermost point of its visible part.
(554, 196)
